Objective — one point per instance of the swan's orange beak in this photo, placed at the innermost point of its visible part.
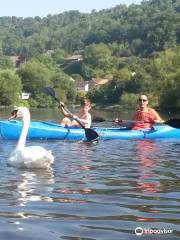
(13, 115)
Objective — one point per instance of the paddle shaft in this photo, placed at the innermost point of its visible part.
(118, 121)
(175, 123)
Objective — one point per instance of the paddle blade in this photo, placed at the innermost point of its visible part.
(91, 135)
(175, 123)
(50, 91)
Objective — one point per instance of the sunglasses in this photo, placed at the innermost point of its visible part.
(143, 100)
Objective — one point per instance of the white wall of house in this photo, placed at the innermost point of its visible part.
(25, 96)
(86, 87)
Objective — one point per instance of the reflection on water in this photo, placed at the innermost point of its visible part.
(101, 191)
(77, 172)
(145, 150)
(26, 182)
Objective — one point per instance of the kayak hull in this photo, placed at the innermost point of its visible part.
(48, 130)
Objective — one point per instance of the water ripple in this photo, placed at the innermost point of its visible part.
(101, 191)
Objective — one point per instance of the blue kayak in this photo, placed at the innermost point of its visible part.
(48, 130)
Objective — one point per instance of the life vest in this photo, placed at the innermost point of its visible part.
(147, 117)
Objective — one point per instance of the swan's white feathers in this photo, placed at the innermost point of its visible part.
(31, 156)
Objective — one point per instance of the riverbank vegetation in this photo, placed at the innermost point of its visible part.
(135, 47)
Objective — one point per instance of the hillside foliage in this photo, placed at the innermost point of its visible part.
(137, 47)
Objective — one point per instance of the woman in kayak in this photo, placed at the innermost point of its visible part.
(84, 116)
(144, 116)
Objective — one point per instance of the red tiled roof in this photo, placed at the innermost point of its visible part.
(99, 81)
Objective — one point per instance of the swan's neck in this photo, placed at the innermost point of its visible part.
(24, 131)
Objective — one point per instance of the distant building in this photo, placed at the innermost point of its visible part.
(71, 61)
(17, 60)
(86, 85)
(98, 81)
(82, 85)
(14, 59)
(49, 52)
(75, 58)
(25, 96)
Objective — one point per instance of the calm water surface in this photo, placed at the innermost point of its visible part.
(102, 191)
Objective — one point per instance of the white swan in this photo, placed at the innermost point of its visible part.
(32, 156)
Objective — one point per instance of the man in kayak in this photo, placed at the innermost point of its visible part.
(147, 115)
(84, 116)
(144, 116)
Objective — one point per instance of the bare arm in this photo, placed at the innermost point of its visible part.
(86, 121)
(63, 111)
(157, 118)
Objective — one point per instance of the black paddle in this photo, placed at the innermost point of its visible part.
(91, 135)
(174, 122)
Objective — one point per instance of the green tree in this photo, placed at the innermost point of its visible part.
(64, 86)
(98, 56)
(59, 56)
(34, 75)
(5, 62)
(10, 87)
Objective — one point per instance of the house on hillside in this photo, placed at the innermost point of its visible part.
(17, 60)
(98, 81)
(75, 58)
(72, 62)
(24, 96)
(94, 82)
(49, 52)
(82, 85)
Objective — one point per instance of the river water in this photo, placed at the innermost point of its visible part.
(103, 191)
